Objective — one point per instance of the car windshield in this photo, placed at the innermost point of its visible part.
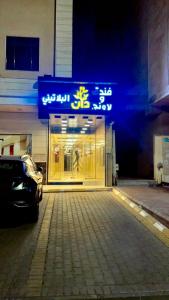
(11, 168)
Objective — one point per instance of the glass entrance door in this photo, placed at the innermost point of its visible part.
(77, 149)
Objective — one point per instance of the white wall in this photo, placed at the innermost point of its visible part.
(27, 123)
(17, 149)
(6, 150)
(64, 9)
(158, 48)
(34, 18)
(15, 91)
(18, 89)
(28, 18)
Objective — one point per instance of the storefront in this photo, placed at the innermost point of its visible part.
(81, 147)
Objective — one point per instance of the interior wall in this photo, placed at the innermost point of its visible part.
(27, 123)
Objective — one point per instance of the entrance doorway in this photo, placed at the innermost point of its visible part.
(77, 149)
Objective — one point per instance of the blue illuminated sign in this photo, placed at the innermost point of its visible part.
(74, 97)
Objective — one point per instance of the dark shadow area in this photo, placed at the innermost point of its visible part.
(106, 47)
(105, 41)
(132, 150)
(12, 218)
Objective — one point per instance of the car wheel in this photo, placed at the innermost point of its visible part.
(34, 213)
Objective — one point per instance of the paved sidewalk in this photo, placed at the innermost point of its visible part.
(154, 199)
(86, 245)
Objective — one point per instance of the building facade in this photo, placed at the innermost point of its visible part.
(36, 42)
(154, 41)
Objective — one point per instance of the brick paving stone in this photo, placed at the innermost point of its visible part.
(92, 247)
(76, 291)
(88, 245)
(68, 291)
(99, 290)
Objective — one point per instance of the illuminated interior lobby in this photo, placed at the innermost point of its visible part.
(77, 149)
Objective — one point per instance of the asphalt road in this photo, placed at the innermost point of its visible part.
(85, 245)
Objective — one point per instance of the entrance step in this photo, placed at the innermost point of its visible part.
(74, 188)
(136, 182)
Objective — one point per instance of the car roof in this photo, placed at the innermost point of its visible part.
(13, 157)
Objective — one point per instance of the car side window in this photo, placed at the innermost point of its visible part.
(24, 167)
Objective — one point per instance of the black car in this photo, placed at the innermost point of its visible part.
(20, 184)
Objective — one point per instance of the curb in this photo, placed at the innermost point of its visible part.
(153, 213)
(143, 216)
(49, 189)
(164, 296)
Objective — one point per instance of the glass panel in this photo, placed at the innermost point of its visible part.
(68, 161)
(76, 149)
(15, 144)
(22, 53)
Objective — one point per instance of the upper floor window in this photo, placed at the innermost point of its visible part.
(22, 53)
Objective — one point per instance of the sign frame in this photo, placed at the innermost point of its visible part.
(74, 97)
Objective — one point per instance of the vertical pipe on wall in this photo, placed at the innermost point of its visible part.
(114, 173)
(54, 40)
(109, 157)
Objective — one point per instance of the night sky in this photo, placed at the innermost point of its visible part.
(105, 41)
